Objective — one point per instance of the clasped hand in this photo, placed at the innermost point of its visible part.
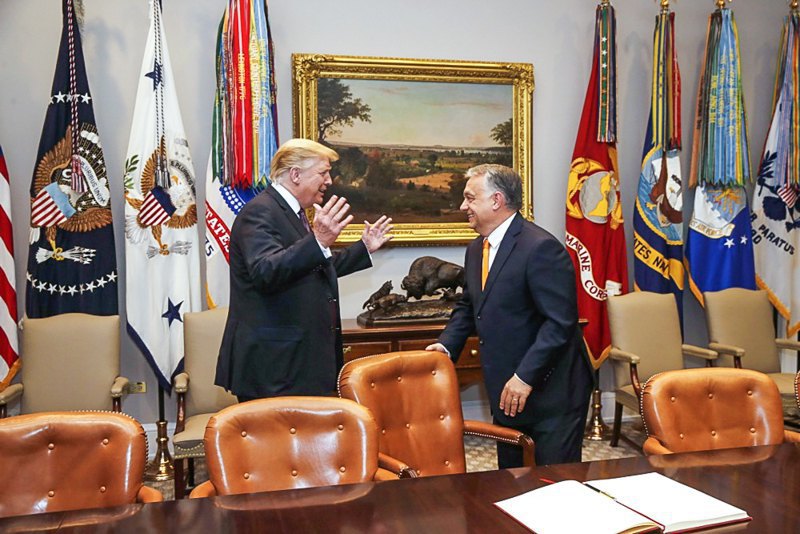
(331, 219)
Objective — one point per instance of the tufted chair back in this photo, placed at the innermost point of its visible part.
(710, 408)
(415, 399)
(57, 461)
(70, 362)
(289, 442)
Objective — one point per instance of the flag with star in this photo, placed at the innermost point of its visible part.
(595, 236)
(658, 213)
(776, 211)
(245, 132)
(161, 241)
(719, 251)
(72, 264)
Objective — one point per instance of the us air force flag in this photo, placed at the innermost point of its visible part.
(72, 264)
(776, 212)
(244, 136)
(161, 240)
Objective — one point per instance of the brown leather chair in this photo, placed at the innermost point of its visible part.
(414, 397)
(740, 325)
(70, 362)
(198, 397)
(645, 339)
(711, 408)
(57, 461)
(289, 442)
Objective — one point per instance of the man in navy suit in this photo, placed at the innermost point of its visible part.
(520, 298)
(283, 333)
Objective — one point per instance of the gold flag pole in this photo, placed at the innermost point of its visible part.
(664, 6)
(721, 3)
(793, 5)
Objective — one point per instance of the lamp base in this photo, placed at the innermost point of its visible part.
(161, 467)
(596, 429)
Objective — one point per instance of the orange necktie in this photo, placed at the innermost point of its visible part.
(485, 263)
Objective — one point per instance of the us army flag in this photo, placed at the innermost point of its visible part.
(776, 212)
(244, 136)
(72, 264)
(595, 236)
(658, 215)
(161, 240)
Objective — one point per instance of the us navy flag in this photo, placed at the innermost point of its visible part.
(72, 266)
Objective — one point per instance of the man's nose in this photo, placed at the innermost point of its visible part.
(463, 206)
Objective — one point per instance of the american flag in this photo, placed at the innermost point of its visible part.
(788, 194)
(157, 208)
(51, 207)
(9, 355)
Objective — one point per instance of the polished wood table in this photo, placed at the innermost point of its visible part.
(764, 481)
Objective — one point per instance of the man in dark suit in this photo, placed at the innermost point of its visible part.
(525, 313)
(283, 334)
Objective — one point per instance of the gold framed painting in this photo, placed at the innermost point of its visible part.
(406, 130)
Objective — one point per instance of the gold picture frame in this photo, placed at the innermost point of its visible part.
(404, 161)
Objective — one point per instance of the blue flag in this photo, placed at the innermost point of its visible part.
(72, 264)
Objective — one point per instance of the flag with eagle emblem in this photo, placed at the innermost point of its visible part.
(72, 264)
(245, 132)
(161, 240)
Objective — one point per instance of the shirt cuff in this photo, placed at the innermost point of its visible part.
(521, 380)
(325, 250)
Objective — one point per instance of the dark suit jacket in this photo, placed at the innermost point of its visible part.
(527, 322)
(283, 334)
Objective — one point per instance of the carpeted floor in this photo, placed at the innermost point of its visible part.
(481, 455)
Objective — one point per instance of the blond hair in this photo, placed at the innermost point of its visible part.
(298, 153)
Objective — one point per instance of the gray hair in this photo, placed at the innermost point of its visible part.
(501, 179)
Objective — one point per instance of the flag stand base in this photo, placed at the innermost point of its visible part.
(596, 429)
(161, 468)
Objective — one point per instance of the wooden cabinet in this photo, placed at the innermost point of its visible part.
(359, 341)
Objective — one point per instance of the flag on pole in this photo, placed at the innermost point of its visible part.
(776, 213)
(658, 214)
(161, 241)
(9, 350)
(72, 264)
(244, 136)
(595, 236)
(719, 251)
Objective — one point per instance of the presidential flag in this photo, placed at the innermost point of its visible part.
(9, 351)
(776, 213)
(72, 264)
(595, 236)
(658, 214)
(244, 136)
(719, 251)
(162, 246)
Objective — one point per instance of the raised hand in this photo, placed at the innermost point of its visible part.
(330, 220)
(378, 234)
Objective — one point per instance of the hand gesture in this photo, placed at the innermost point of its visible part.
(514, 395)
(330, 220)
(378, 234)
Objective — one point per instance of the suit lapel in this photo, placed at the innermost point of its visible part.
(506, 246)
(294, 220)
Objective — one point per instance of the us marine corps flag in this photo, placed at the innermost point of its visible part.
(658, 215)
(595, 236)
(719, 251)
(776, 212)
(72, 265)
(9, 351)
(244, 136)
(161, 240)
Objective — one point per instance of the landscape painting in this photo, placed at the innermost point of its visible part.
(405, 143)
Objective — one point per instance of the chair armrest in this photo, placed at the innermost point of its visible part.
(653, 446)
(504, 434)
(788, 344)
(148, 494)
(622, 356)
(730, 350)
(396, 467)
(181, 384)
(11, 392)
(119, 387)
(791, 437)
(699, 352)
(206, 489)
(384, 474)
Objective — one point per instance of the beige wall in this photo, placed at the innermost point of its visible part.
(554, 35)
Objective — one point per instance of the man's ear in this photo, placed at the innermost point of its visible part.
(294, 175)
(498, 200)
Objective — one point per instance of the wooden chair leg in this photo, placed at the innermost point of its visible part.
(617, 425)
(191, 483)
(180, 482)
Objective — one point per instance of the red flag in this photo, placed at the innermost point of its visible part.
(595, 236)
(9, 354)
